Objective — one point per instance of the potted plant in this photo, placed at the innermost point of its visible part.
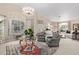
(29, 33)
(26, 32)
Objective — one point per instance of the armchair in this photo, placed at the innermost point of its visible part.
(53, 41)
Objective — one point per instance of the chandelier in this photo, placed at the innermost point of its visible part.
(28, 11)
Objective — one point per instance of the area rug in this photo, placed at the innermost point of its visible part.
(14, 51)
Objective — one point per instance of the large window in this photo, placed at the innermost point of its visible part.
(63, 27)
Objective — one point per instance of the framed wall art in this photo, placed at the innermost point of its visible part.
(76, 26)
(17, 26)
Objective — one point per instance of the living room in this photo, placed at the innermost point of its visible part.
(23, 21)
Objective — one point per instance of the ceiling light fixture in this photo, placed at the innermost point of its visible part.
(28, 11)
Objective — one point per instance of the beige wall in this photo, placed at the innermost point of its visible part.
(41, 23)
(12, 13)
(55, 26)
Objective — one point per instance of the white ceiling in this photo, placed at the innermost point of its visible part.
(54, 11)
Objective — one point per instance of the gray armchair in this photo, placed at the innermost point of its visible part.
(53, 41)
